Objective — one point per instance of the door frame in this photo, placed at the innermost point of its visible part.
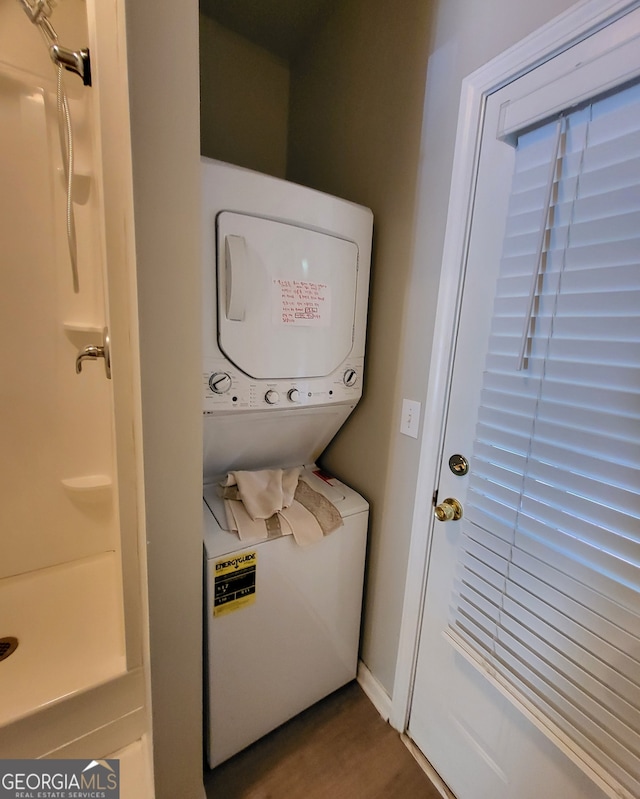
(574, 25)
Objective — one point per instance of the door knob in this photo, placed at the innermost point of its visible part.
(93, 352)
(449, 510)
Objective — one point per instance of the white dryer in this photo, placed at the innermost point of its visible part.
(285, 291)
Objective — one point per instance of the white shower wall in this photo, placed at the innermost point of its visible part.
(60, 560)
(56, 426)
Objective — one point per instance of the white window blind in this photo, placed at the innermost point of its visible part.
(548, 589)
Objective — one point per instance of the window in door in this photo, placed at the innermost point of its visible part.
(547, 597)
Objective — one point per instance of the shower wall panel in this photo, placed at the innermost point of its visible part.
(60, 553)
(57, 467)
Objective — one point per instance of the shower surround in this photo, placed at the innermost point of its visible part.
(71, 576)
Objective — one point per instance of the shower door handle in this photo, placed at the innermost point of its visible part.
(93, 352)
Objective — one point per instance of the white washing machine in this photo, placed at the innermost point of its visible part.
(294, 637)
(285, 291)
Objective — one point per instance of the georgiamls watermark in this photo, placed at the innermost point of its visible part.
(59, 779)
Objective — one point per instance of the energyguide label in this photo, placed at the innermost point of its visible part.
(234, 580)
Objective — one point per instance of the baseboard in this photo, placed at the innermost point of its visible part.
(378, 697)
(381, 700)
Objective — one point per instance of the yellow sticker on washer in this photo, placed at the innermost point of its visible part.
(234, 580)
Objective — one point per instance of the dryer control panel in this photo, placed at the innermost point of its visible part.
(226, 388)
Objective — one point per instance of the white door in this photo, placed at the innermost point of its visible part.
(476, 710)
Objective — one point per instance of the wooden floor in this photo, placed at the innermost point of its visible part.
(338, 749)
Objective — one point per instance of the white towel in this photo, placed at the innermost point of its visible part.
(291, 506)
(247, 528)
(304, 524)
(266, 491)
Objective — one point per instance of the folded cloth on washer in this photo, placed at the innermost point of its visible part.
(266, 491)
(307, 514)
(239, 520)
(304, 525)
(323, 510)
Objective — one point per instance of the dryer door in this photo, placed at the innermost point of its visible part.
(286, 297)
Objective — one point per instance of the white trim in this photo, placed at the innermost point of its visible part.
(376, 694)
(570, 27)
(594, 70)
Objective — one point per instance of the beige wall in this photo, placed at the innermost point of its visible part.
(165, 157)
(466, 35)
(355, 121)
(244, 101)
(363, 125)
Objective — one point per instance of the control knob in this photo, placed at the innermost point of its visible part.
(272, 397)
(220, 382)
(350, 377)
(293, 395)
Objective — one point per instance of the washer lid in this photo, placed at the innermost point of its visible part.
(286, 297)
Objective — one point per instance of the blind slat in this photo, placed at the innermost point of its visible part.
(578, 600)
(613, 420)
(596, 255)
(581, 305)
(564, 482)
(619, 475)
(599, 205)
(592, 735)
(612, 666)
(578, 281)
(550, 653)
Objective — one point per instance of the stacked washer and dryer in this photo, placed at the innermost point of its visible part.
(285, 292)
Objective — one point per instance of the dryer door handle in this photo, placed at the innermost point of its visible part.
(235, 275)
